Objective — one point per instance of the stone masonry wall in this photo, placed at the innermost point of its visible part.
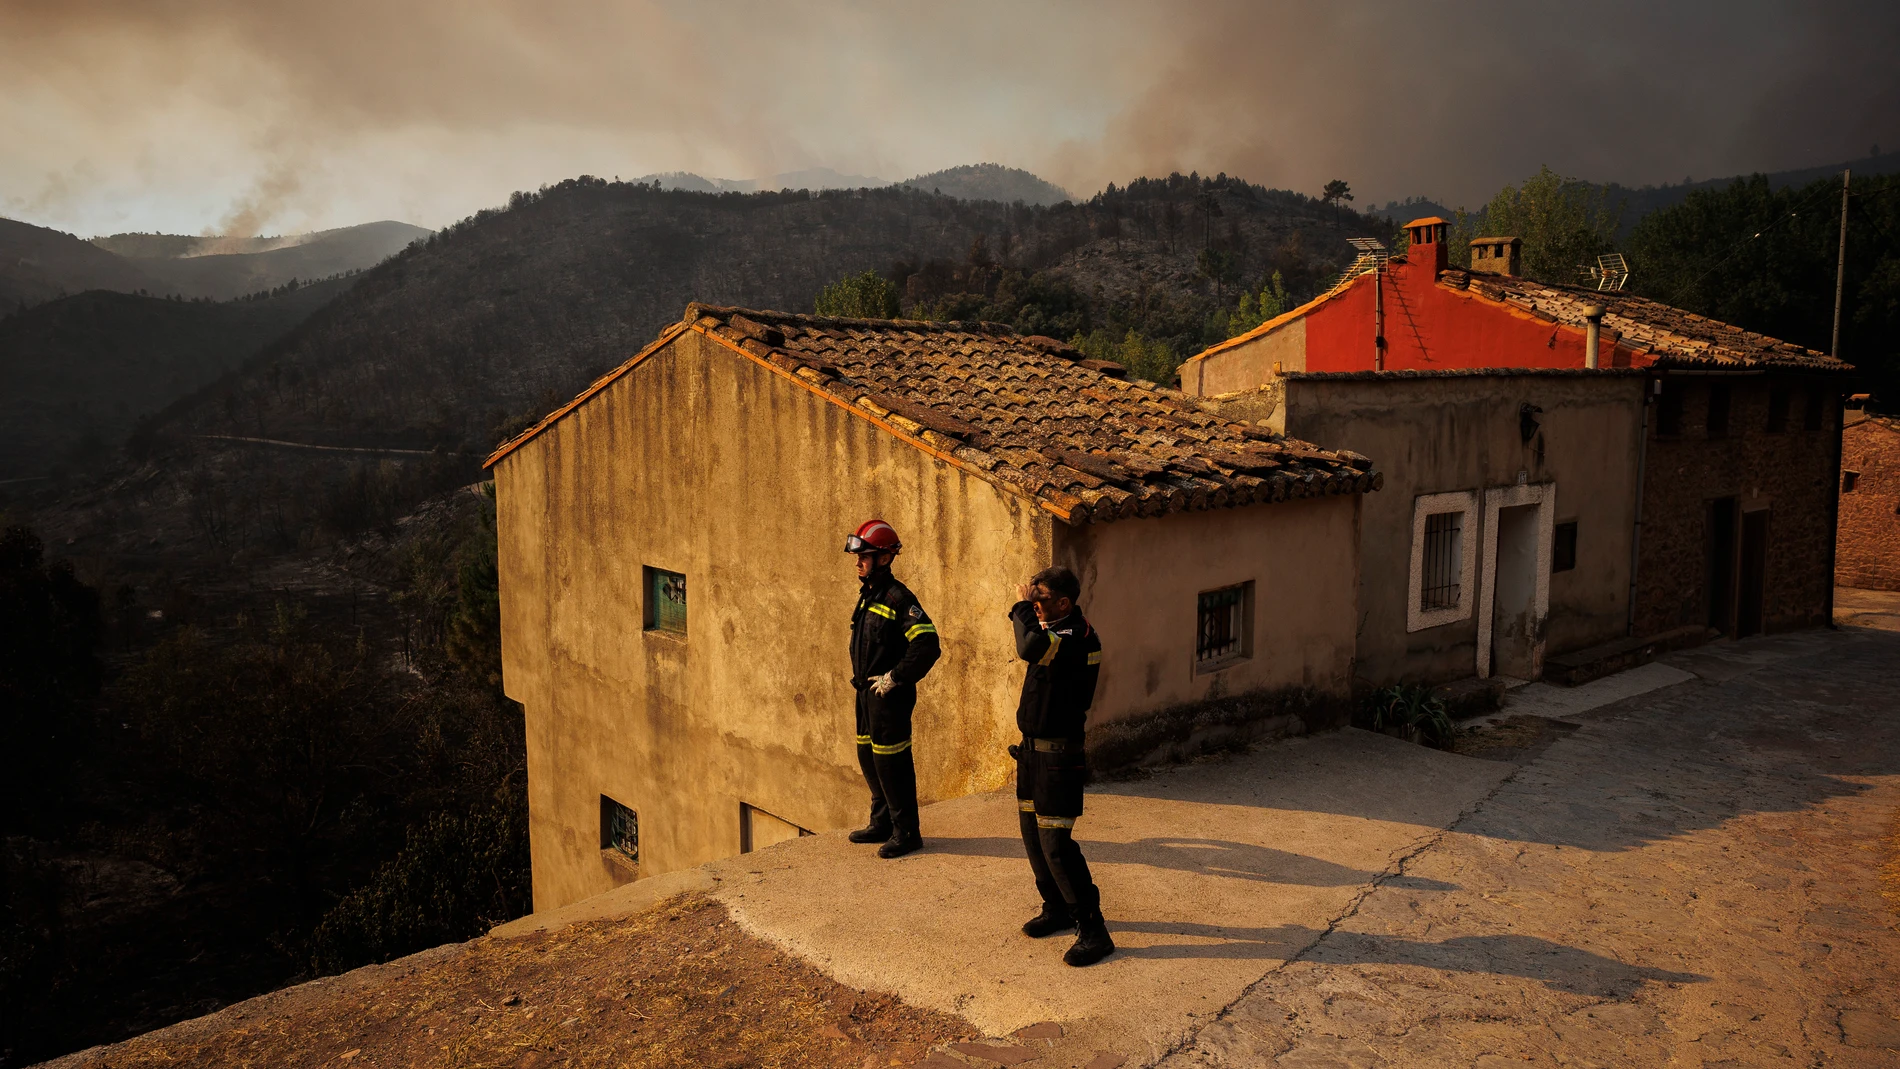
(1792, 472)
(1869, 537)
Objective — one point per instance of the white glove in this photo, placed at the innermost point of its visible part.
(882, 685)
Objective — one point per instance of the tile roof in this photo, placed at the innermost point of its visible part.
(1675, 338)
(1029, 414)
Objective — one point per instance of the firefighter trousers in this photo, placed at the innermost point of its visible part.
(1049, 799)
(884, 758)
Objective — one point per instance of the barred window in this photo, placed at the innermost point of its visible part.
(1444, 561)
(619, 829)
(1668, 410)
(1777, 410)
(1223, 623)
(1563, 549)
(1814, 415)
(666, 601)
(1718, 410)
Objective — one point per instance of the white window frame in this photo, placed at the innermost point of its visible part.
(1426, 505)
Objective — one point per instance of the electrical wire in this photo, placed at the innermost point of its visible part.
(1691, 284)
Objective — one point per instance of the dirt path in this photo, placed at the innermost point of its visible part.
(1690, 878)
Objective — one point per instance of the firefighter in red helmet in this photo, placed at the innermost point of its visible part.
(893, 645)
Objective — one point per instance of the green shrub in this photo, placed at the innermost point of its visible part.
(1412, 708)
(458, 876)
(866, 296)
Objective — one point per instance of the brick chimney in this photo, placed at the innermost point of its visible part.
(1428, 254)
(1497, 256)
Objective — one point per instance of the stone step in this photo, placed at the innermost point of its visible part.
(1581, 666)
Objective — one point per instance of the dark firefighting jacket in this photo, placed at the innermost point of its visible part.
(890, 632)
(1064, 662)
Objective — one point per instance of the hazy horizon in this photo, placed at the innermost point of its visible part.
(196, 116)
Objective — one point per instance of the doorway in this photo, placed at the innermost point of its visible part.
(1721, 577)
(1514, 624)
(1514, 580)
(1754, 573)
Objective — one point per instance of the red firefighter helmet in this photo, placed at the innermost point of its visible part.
(875, 536)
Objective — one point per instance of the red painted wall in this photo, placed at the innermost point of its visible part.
(1429, 327)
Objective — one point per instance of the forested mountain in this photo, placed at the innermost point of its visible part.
(222, 268)
(991, 181)
(38, 264)
(77, 373)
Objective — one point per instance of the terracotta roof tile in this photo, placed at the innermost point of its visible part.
(1029, 414)
(1675, 338)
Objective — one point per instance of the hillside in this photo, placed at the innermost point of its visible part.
(991, 181)
(240, 266)
(38, 264)
(500, 318)
(77, 373)
(1639, 201)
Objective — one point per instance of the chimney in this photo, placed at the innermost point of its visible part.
(1428, 245)
(1496, 256)
(1592, 333)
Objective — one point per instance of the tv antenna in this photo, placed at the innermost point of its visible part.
(1610, 273)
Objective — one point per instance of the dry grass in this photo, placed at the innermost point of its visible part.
(1890, 872)
(680, 985)
(1513, 738)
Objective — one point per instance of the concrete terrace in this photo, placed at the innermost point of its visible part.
(1680, 865)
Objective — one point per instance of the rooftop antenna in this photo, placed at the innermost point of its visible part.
(1610, 273)
(1372, 257)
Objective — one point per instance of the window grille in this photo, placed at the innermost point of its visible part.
(1563, 550)
(1222, 616)
(1444, 561)
(619, 829)
(666, 601)
(1813, 416)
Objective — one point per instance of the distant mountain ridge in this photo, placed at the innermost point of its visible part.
(38, 264)
(978, 181)
(1638, 201)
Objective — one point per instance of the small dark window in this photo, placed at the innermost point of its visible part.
(1444, 561)
(1563, 548)
(1718, 410)
(1813, 417)
(619, 829)
(1777, 410)
(1223, 624)
(1848, 479)
(666, 601)
(1669, 410)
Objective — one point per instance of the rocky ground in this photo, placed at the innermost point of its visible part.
(1694, 866)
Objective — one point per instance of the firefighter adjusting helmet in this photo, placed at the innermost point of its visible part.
(875, 536)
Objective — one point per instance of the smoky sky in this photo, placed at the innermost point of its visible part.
(243, 116)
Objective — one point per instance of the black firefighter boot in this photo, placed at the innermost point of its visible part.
(1092, 943)
(1055, 917)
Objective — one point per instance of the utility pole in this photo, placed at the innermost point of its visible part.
(1840, 267)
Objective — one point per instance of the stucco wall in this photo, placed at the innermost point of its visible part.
(1141, 581)
(701, 461)
(1442, 435)
(1869, 539)
(1247, 364)
(1793, 473)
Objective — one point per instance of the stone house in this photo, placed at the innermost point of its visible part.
(1506, 522)
(1731, 497)
(675, 599)
(1868, 537)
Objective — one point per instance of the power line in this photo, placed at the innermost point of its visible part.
(1799, 208)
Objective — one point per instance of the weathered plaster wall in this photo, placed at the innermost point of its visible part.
(1793, 473)
(1869, 538)
(1141, 581)
(703, 462)
(1248, 364)
(1443, 435)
